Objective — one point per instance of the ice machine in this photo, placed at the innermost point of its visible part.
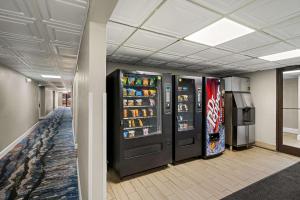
(239, 113)
(139, 127)
(187, 106)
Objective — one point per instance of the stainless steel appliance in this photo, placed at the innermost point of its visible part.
(239, 112)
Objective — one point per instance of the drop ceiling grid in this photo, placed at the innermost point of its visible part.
(261, 32)
(41, 36)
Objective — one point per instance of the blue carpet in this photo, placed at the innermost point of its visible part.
(43, 165)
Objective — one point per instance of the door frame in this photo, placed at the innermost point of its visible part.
(279, 113)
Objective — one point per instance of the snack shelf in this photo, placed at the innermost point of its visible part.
(139, 96)
(149, 117)
(146, 106)
(140, 136)
(139, 86)
(185, 129)
(138, 127)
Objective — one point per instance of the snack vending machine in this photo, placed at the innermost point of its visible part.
(139, 121)
(187, 104)
(213, 117)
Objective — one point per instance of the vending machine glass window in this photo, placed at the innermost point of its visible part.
(186, 103)
(141, 105)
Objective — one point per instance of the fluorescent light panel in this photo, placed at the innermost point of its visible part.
(282, 56)
(292, 72)
(50, 76)
(219, 32)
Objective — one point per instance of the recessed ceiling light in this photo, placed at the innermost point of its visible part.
(282, 56)
(50, 76)
(219, 32)
(292, 72)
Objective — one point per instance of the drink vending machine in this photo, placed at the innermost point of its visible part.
(213, 117)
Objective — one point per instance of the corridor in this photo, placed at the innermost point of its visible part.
(43, 165)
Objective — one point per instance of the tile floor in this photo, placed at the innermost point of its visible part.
(202, 179)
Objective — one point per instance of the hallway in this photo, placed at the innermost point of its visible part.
(44, 164)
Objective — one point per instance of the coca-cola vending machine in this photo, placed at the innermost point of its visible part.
(213, 117)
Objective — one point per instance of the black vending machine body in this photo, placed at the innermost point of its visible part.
(187, 118)
(213, 117)
(139, 119)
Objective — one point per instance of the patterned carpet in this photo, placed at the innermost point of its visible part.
(43, 165)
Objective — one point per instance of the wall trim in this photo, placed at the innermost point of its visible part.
(90, 150)
(291, 130)
(78, 180)
(17, 141)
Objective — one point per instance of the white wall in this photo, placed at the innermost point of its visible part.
(263, 91)
(48, 101)
(110, 67)
(18, 105)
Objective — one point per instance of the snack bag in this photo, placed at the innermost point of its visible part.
(145, 82)
(132, 113)
(130, 103)
(146, 93)
(138, 93)
(146, 131)
(125, 113)
(136, 112)
(129, 124)
(151, 113)
(124, 102)
(131, 134)
(138, 82)
(125, 134)
(144, 111)
(133, 123)
(138, 102)
(124, 92)
(131, 92)
(140, 123)
(152, 82)
(152, 102)
(131, 81)
(152, 92)
(124, 80)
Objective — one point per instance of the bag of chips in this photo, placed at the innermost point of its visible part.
(138, 82)
(138, 93)
(152, 82)
(131, 81)
(124, 80)
(145, 82)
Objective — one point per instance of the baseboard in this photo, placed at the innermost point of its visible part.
(17, 141)
(265, 145)
(291, 130)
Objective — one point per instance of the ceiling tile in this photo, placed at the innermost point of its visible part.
(149, 41)
(269, 49)
(253, 61)
(223, 6)
(117, 33)
(191, 61)
(197, 67)
(152, 62)
(175, 65)
(231, 58)
(247, 42)
(287, 29)
(163, 56)
(294, 41)
(264, 13)
(127, 51)
(292, 61)
(183, 48)
(133, 12)
(210, 54)
(180, 18)
(123, 59)
(110, 48)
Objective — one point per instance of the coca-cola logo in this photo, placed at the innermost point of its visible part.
(213, 108)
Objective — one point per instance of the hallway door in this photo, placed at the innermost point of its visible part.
(288, 110)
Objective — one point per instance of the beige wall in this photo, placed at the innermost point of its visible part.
(263, 91)
(48, 101)
(290, 100)
(18, 106)
(110, 67)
